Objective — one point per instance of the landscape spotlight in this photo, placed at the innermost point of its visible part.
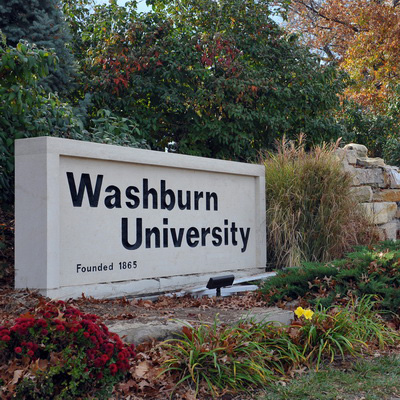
(220, 281)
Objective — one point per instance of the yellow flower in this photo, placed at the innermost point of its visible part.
(308, 314)
(299, 311)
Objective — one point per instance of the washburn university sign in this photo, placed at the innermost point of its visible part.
(111, 221)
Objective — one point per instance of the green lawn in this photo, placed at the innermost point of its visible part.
(376, 379)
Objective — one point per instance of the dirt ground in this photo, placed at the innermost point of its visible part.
(16, 302)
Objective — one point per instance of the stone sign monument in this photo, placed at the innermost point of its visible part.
(112, 221)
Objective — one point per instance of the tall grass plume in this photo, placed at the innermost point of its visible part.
(311, 213)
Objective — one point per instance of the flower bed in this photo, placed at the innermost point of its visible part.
(58, 352)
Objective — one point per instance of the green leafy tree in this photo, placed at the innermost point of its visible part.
(377, 131)
(217, 78)
(25, 110)
(41, 22)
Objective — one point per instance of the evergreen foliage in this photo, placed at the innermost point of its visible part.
(41, 22)
(372, 270)
(378, 132)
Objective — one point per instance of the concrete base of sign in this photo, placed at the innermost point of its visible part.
(140, 287)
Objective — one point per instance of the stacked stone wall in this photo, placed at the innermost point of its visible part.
(376, 186)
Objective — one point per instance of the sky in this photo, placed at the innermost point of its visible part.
(142, 7)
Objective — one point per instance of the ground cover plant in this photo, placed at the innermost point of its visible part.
(370, 270)
(311, 214)
(58, 352)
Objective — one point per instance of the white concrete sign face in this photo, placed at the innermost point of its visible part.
(112, 221)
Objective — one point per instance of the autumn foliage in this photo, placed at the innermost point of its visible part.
(363, 36)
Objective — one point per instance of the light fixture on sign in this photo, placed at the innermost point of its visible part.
(220, 281)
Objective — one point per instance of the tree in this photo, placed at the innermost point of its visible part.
(41, 22)
(217, 78)
(363, 36)
(25, 110)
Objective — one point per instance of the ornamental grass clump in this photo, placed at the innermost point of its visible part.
(216, 359)
(339, 331)
(311, 213)
(325, 335)
(230, 357)
(58, 352)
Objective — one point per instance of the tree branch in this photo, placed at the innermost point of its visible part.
(311, 8)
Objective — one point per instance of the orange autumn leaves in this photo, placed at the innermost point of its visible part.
(363, 36)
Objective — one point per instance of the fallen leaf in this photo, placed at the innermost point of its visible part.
(141, 369)
(17, 376)
(39, 365)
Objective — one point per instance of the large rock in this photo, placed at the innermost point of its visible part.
(362, 194)
(347, 156)
(360, 149)
(370, 162)
(386, 195)
(160, 329)
(389, 231)
(391, 177)
(370, 176)
(352, 171)
(380, 213)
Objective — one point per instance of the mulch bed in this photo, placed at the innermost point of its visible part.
(143, 381)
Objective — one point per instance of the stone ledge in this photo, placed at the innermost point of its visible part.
(388, 231)
(387, 195)
(380, 213)
(362, 194)
(156, 328)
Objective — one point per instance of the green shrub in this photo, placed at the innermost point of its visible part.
(60, 353)
(6, 246)
(110, 128)
(311, 215)
(26, 110)
(372, 270)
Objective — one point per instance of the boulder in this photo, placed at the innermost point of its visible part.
(360, 149)
(380, 213)
(389, 231)
(370, 176)
(370, 162)
(391, 177)
(347, 156)
(362, 194)
(386, 195)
